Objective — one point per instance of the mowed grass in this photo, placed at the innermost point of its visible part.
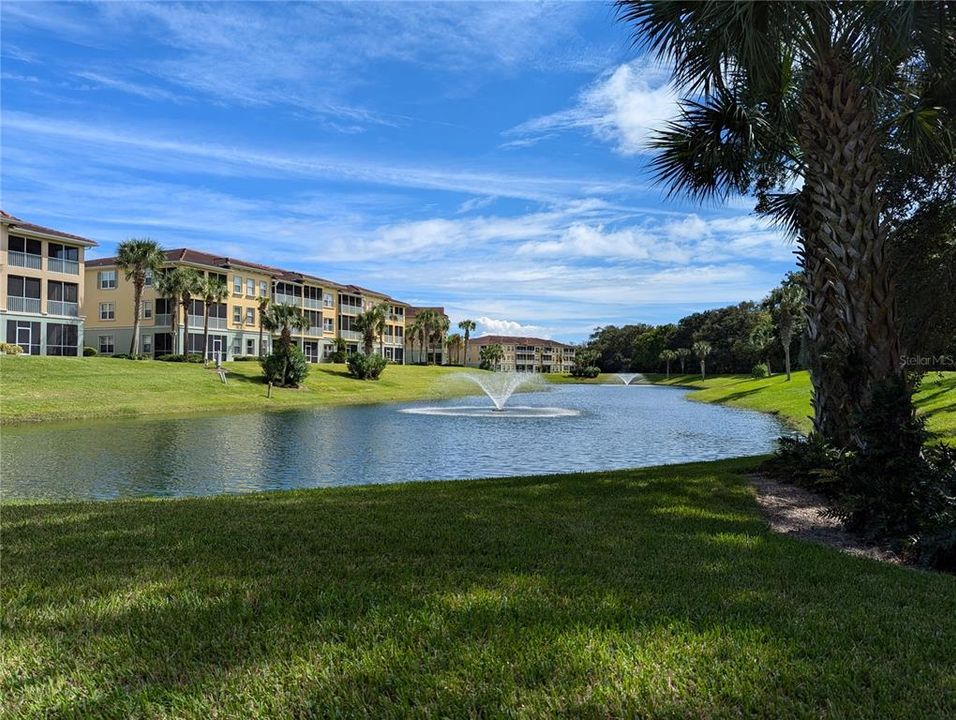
(936, 397)
(645, 593)
(50, 388)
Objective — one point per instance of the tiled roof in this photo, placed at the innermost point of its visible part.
(18, 224)
(413, 312)
(516, 340)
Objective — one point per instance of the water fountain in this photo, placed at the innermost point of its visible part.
(628, 378)
(499, 387)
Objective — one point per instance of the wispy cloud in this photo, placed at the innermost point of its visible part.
(495, 326)
(150, 92)
(622, 107)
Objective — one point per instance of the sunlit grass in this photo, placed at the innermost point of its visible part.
(646, 593)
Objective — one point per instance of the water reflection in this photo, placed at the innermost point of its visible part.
(208, 455)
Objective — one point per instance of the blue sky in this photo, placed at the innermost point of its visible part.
(486, 157)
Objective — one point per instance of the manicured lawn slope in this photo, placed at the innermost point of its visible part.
(41, 388)
(650, 593)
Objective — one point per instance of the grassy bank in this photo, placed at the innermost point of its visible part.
(791, 400)
(655, 592)
(42, 388)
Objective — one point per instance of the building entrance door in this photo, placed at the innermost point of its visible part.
(24, 338)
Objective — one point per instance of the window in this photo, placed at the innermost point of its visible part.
(106, 344)
(147, 309)
(106, 279)
(26, 334)
(163, 306)
(250, 316)
(61, 339)
(147, 344)
(328, 324)
(263, 288)
(163, 343)
(236, 314)
(107, 311)
(62, 291)
(236, 285)
(250, 287)
(19, 244)
(63, 252)
(250, 346)
(149, 278)
(26, 289)
(236, 347)
(328, 300)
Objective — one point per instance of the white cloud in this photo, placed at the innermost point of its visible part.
(493, 326)
(622, 107)
(150, 92)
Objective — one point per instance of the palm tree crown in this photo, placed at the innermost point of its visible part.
(136, 257)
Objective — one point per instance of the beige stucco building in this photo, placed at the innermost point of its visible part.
(42, 305)
(523, 354)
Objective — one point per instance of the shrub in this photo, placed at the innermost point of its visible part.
(366, 367)
(10, 348)
(587, 371)
(340, 354)
(127, 356)
(245, 358)
(286, 366)
(88, 351)
(760, 370)
(189, 358)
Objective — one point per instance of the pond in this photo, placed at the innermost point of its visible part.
(604, 428)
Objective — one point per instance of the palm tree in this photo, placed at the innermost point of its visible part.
(284, 319)
(169, 284)
(190, 285)
(136, 257)
(491, 357)
(439, 330)
(787, 304)
(454, 342)
(416, 331)
(213, 291)
(381, 315)
(702, 349)
(683, 354)
(367, 323)
(426, 323)
(263, 307)
(467, 326)
(667, 357)
(761, 338)
(823, 96)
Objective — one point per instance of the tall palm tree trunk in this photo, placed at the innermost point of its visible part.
(185, 326)
(137, 310)
(852, 321)
(205, 331)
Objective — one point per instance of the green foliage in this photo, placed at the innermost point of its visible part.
(491, 356)
(286, 366)
(135, 356)
(179, 358)
(10, 348)
(366, 367)
(340, 354)
(760, 370)
(245, 358)
(585, 371)
(89, 351)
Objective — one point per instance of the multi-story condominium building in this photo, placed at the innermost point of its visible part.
(41, 271)
(524, 354)
(415, 350)
(234, 324)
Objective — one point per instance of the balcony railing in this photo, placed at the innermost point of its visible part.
(314, 331)
(284, 299)
(27, 260)
(349, 310)
(313, 303)
(163, 320)
(58, 307)
(70, 267)
(23, 304)
(350, 335)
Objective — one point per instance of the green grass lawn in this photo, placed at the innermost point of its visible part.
(42, 388)
(645, 593)
(791, 400)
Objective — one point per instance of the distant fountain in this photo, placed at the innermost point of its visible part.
(499, 387)
(628, 378)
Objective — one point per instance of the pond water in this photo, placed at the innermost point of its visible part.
(607, 427)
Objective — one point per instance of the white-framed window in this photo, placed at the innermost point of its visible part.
(250, 316)
(106, 344)
(107, 311)
(149, 278)
(236, 314)
(236, 347)
(237, 285)
(328, 324)
(263, 288)
(147, 309)
(250, 287)
(106, 279)
(327, 300)
(250, 346)
(147, 344)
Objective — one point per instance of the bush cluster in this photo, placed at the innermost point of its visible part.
(366, 367)
(760, 370)
(587, 371)
(89, 352)
(286, 366)
(10, 348)
(245, 358)
(127, 356)
(188, 358)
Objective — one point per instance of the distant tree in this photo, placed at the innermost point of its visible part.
(136, 257)
(786, 305)
(491, 357)
(683, 354)
(190, 286)
(454, 343)
(172, 284)
(762, 338)
(667, 357)
(263, 307)
(285, 365)
(467, 327)
(368, 323)
(701, 350)
(439, 331)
